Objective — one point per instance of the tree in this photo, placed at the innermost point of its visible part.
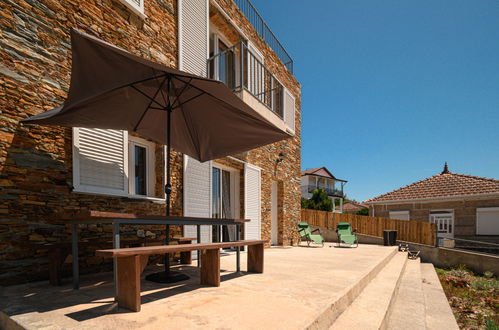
(319, 201)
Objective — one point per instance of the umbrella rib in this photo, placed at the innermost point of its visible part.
(181, 92)
(119, 87)
(150, 102)
(188, 100)
(147, 96)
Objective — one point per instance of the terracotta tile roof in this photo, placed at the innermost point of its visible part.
(445, 184)
(353, 206)
(320, 171)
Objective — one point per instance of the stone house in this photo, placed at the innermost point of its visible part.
(321, 178)
(44, 171)
(462, 206)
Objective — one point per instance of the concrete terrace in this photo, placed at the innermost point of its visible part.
(301, 287)
(297, 286)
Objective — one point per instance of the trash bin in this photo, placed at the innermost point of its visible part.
(389, 237)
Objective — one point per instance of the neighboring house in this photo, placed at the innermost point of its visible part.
(462, 206)
(45, 170)
(353, 208)
(320, 177)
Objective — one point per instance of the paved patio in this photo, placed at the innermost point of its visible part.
(300, 287)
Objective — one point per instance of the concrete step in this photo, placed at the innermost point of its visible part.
(438, 312)
(369, 309)
(408, 309)
(344, 299)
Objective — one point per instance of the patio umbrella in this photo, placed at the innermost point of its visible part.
(200, 117)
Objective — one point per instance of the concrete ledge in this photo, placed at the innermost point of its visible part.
(445, 257)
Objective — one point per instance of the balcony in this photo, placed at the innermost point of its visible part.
(333, 192)
(241, 70)
(264, 32)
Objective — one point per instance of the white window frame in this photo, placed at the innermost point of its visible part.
(234, 186)
(136, 9)
(395, 213)
(150, 166)
(450, 232)
(484, 209)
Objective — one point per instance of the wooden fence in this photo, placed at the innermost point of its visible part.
(317, 218)
(409, 231)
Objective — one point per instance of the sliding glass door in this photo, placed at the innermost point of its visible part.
(222, 204)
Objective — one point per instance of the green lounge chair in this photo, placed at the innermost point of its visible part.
(346, 234)
(308, 235)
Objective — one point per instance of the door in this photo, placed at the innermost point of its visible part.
(274, 228)
(444, 221)
(222, 204)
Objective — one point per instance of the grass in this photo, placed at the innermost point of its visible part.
(474, 299)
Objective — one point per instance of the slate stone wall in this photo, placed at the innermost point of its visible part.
(36, 161)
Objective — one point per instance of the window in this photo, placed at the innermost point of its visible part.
(111, 162)
(399, 215)
(136, 6)
(487, 221)
(141, 166)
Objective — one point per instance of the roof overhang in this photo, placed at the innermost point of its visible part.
(325, 177)
(436, 199)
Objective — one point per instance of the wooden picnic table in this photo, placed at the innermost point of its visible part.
(116, 219)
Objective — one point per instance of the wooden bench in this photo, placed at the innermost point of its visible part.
(132, 261)
(57, 253)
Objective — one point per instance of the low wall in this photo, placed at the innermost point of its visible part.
(444, 257)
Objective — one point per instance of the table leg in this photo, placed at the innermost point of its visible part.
(238, 251)
(116, 245)
(74, 251)
(198, 237)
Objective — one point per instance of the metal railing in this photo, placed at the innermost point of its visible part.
(330, 191)
(264, 31)
(240, 69)
(469, 245)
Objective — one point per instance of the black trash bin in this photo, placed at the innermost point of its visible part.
(389, 237)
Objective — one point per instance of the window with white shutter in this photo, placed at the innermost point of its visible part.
(193, 36)
(487, 221)
(252, 201)
(100, 161)
(289, 110)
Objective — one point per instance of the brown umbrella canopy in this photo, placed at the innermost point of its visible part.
(113, 89)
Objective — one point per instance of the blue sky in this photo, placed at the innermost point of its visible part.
(391, 89)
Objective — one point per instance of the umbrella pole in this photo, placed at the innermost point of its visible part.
(168, 187)
(168, 276)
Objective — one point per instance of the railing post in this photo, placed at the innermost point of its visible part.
(241, 64)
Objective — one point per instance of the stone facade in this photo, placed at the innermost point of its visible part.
(464, 213)
(36, 161)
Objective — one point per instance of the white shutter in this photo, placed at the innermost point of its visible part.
(289, 110)
(193, 36)
(197, 195)
(252, 202)
(487, 221)
(100, 161)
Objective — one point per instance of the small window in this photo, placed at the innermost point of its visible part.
(141, 176)
(399, 215)
(487, 221)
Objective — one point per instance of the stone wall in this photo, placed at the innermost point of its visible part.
(36, 162)
(464, 214)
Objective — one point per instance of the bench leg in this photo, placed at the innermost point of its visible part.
(56, 260)
(255, 258)
(129, 269)
(210, 267)
(185, 257)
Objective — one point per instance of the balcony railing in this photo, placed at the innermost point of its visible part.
(330, 191)
(240, 69)
(264, 31)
